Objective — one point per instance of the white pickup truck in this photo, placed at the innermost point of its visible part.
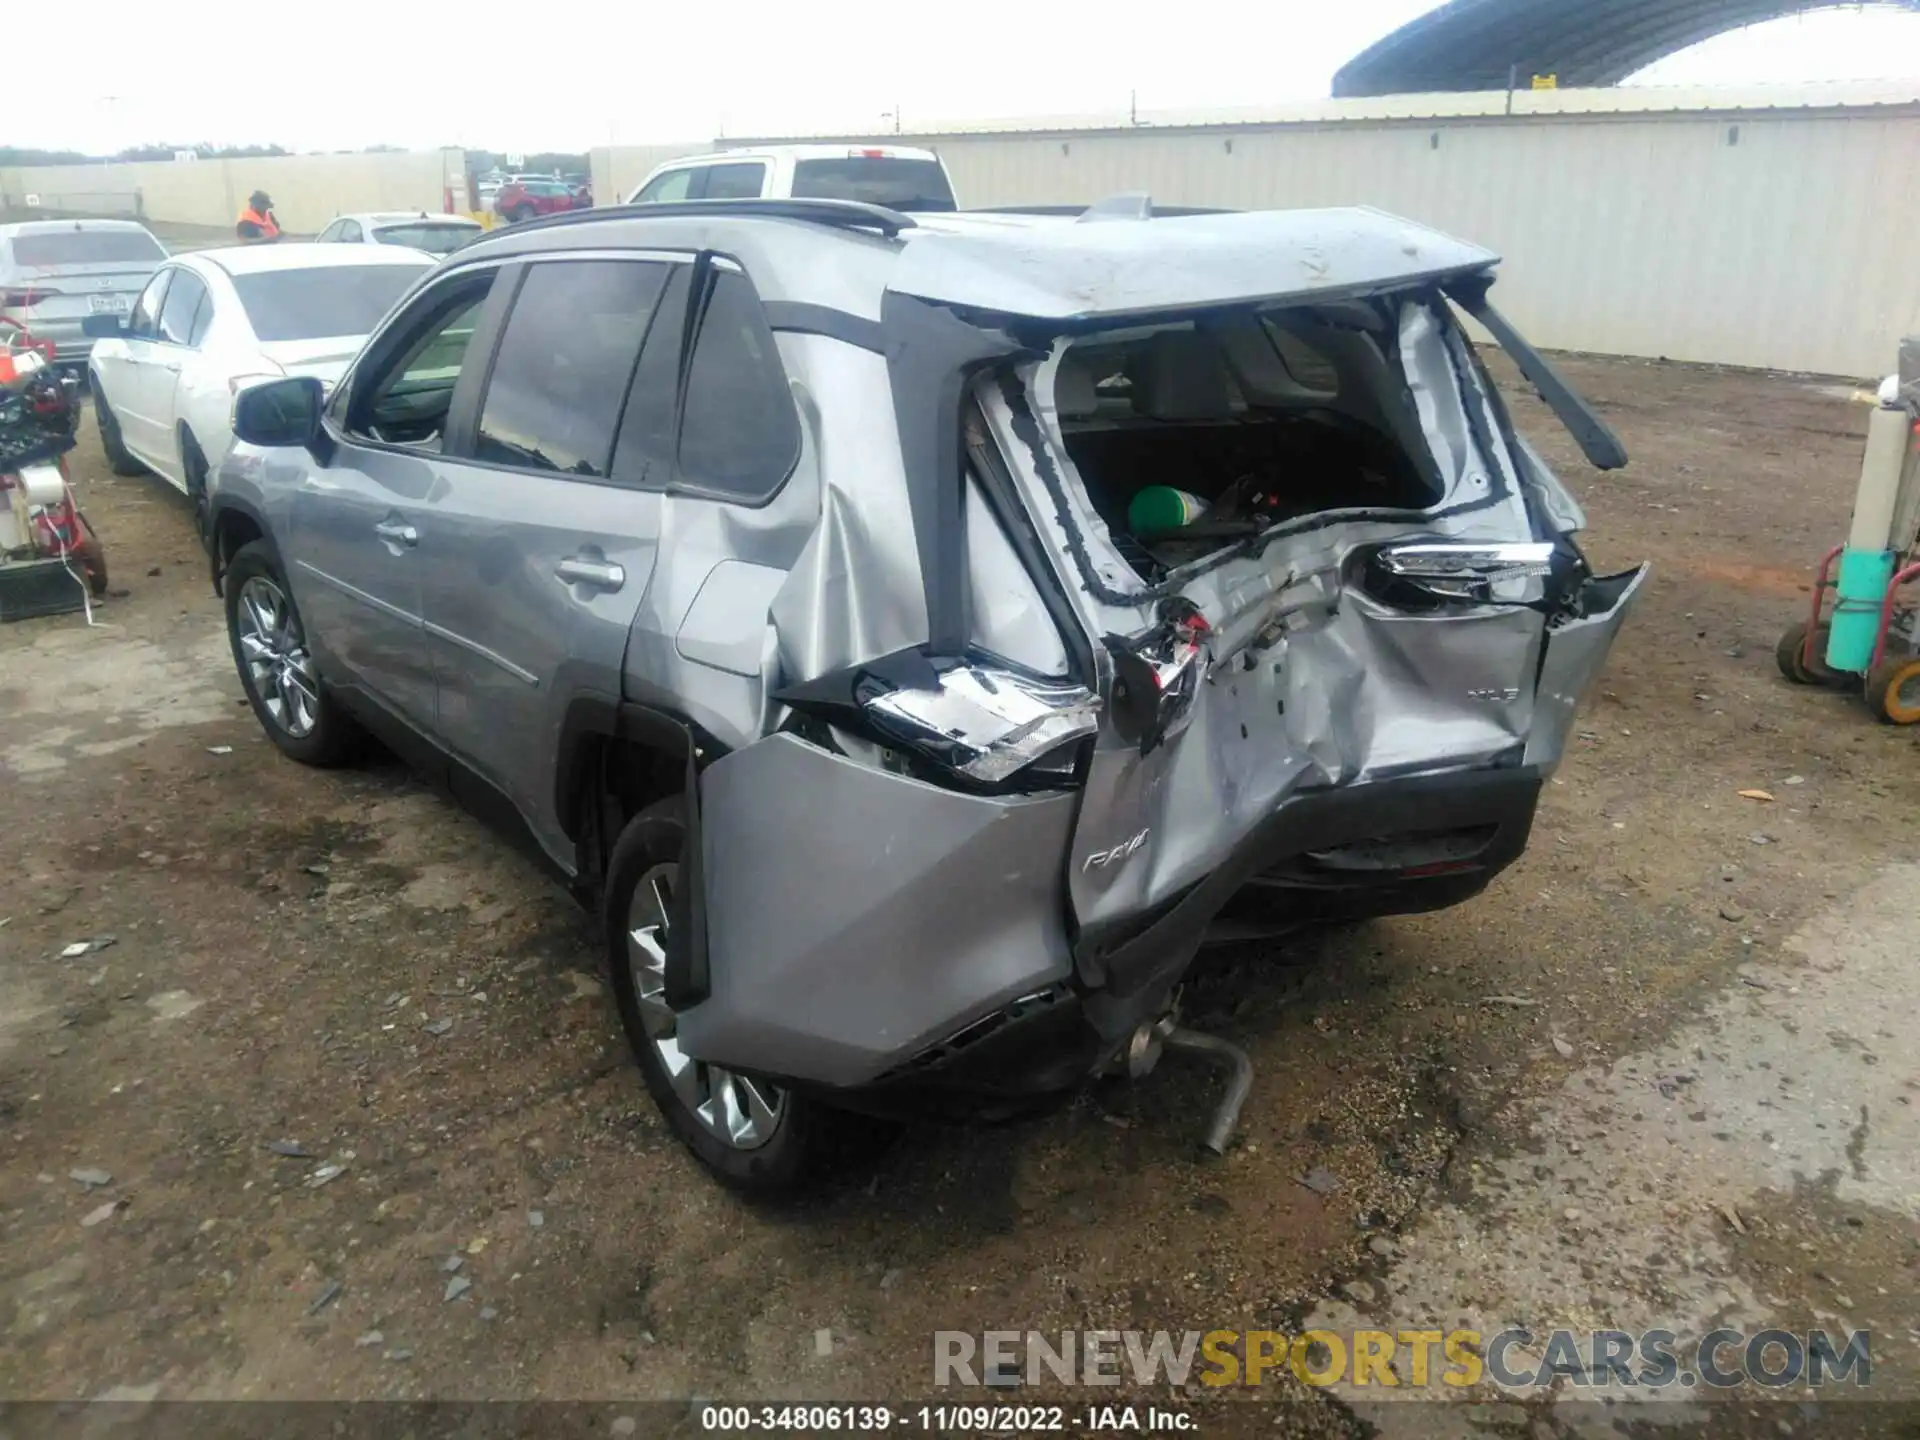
(891, 175)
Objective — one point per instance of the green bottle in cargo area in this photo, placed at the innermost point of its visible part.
(1161, 507)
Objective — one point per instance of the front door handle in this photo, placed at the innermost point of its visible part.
(397, 532)
(595, 574)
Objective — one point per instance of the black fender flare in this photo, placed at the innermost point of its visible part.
(218, 507)
(591, 717)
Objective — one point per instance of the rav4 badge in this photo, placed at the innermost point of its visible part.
(1101, 859)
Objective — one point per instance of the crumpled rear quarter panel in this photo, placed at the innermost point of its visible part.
(863, 915)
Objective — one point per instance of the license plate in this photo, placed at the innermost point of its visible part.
(107, 304)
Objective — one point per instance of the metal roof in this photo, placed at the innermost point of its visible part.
(1051, 268)
(1481, 44)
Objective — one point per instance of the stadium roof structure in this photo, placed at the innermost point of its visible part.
(1490, 44)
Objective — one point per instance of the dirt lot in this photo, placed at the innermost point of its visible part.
(286, 947)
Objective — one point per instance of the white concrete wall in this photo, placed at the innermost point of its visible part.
(307, 190)
(1787, 246)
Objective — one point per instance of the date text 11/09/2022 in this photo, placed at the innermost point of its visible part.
(945, 1419)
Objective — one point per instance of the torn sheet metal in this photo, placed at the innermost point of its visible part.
(848, 904)
(1311, 682)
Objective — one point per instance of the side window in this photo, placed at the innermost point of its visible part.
(670, 186)
(565, 362)
(183, 301)
(351, 233)
(406, 399)
(734, 182)
(644, 453)
(144, 323)
(739, 432)
(332, 232)
(202, 319)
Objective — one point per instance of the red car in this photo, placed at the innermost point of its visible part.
(524, 199)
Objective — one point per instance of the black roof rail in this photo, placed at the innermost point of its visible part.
(841, 214)
(1160, 212)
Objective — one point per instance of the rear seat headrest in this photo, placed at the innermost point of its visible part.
(1073, 394)
(1181, 375)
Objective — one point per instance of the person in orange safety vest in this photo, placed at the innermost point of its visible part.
(257, 221)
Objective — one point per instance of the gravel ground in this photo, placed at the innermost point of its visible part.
(305, 1159)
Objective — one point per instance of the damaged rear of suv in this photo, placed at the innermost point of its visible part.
(1127, 581)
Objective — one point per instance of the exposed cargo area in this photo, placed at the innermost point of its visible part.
(1262, 419)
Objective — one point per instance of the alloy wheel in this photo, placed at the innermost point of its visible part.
(736, 1110)
(275, 651)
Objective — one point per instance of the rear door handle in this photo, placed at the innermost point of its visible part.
(397, 531)
(595, 574)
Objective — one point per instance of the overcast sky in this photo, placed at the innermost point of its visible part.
(567, 74)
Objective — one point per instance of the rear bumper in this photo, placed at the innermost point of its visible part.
(1049, 1047)
(1495, 807)
(71, 346)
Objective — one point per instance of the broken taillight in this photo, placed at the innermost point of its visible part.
(984, 722)
(1157, 675)
(1470, 571)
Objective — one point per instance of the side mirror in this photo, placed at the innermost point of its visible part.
(279, 412)
(103, 327)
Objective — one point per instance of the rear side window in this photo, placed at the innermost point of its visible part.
(186, 300)
(897, 182)
(87, 247)
(565, 362)
(436, 238)
(144, 323)
(739, 432)
(644, 453)
(673, 185)
(734, 182)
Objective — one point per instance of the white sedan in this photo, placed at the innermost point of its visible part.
(211, 323)
(435, 234)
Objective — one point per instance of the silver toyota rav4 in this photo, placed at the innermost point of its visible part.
(919, 638)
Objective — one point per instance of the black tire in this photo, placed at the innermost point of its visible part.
(1787, 654)
(331, 737)
(193, 465)
(804, 1135)
(119, 459)
(522, 213)
(1790, 652)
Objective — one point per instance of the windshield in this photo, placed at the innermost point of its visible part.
(435, 237)
(889, 180)
(85, 247)
(310, 304)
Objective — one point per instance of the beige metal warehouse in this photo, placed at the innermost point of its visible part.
(1765, 228)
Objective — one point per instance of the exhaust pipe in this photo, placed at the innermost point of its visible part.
(1239, 1080)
